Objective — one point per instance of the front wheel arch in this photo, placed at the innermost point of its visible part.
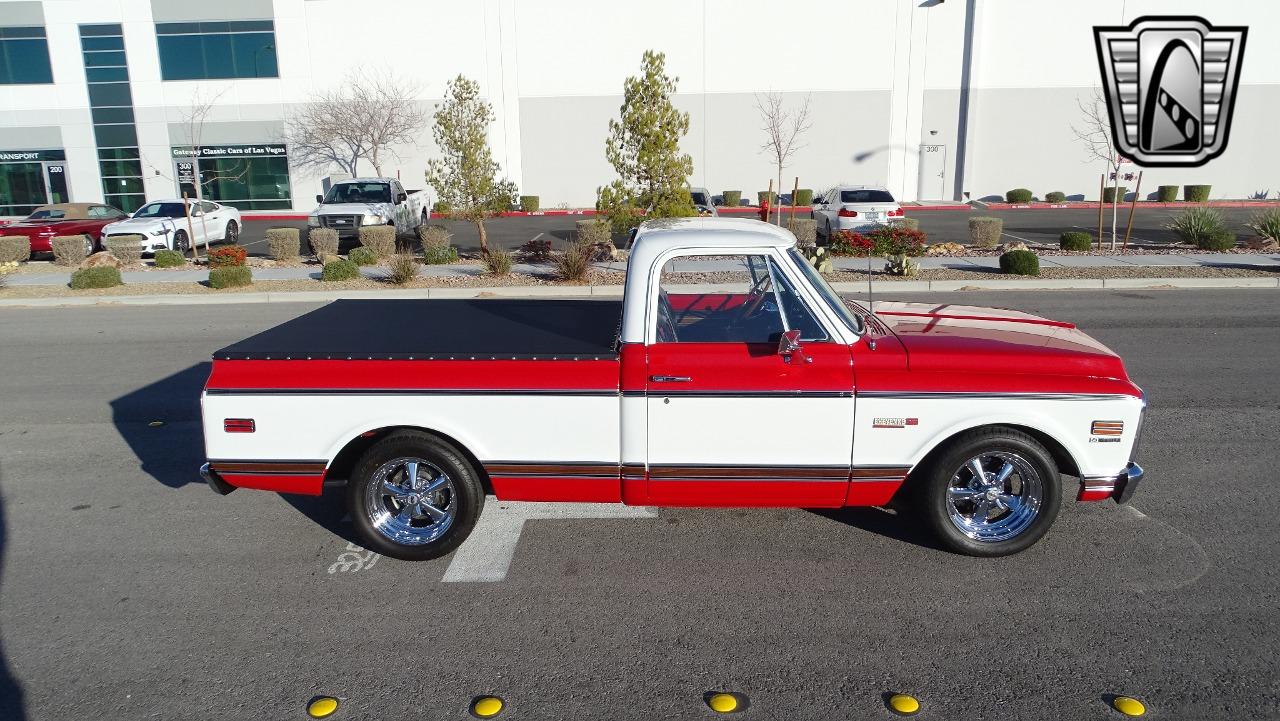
(1061, 456)
(344, 462)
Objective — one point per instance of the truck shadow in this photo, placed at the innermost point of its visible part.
(12, 705)
(329, 511)
(161, 424)
(883, 522)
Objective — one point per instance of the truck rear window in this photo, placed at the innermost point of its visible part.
(865, 196)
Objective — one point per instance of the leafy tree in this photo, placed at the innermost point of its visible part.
(466, 178)
(644, 148)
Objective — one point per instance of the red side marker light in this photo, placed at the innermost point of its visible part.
(238, 425)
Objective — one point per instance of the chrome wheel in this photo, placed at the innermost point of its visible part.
(233, 233)
(410, 501)
(88, 246)
(180, 242)
(994, 496)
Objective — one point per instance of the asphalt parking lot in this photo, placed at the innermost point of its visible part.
(1038, 225)
(129, 590)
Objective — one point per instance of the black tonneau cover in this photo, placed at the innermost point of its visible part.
(440, 329)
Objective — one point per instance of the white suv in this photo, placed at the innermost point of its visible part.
(855, 207)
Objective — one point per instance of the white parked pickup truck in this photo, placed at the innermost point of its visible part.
(767, 389)
(351, 204)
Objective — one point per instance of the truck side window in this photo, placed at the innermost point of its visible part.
(744, 310)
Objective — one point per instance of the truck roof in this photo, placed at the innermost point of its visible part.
(658, 235)
(363, 180)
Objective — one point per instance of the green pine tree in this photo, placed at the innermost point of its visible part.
(466, 178)
(644, 148)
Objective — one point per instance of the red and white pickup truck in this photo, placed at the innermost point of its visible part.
(769, 390)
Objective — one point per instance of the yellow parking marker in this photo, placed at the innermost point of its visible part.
(322, 707)
(904, 704)
(487, 707)
(1128, 706)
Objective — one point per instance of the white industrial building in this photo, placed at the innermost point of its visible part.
(935, 99)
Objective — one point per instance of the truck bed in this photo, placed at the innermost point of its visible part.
(440, 330)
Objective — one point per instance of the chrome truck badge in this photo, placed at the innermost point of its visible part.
(1170, 86)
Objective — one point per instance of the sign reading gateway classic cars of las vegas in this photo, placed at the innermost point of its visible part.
(1171, 86)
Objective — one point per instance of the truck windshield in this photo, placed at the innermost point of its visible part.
(825, 291)
(358, 193)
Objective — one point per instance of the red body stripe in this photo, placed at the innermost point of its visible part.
(578, 490)
(871, 493)
(305, 485)
(412, 375)
(776, 494)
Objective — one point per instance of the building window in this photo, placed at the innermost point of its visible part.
(111, 105)
(22, 188)
(24, 57)
(248, 177)
(214, 50)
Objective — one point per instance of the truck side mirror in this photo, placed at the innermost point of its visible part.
(789, 343)
(319, 198)
(402, 197)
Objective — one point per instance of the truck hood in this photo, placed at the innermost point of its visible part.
(963, 338)
(383, 209)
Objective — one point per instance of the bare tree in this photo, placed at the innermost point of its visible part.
(1095, 134)
(783, 128)
(360, 119)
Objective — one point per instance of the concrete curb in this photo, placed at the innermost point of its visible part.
(885, 288)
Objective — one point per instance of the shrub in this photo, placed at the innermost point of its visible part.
(1056, 196)
(1196, 193)
(1197, 225)
(1075, 240)
(1167, 193)
(985, 232)
(1018, 195)
(1220, 240)
(230, 276)
(732, 198)
(498, 262)
(529, 203)
(1020, 262)
(284, 243)
(909, 223)
(126, 248)
(901, 265)
(536, 250)
(402, 268)
(362, 256)
(593, 231)
(762, 194)
(803, 196)
(7, 267)
(228, 256)
(441, 207)
(896, 240)
(15, 249)
(1266, 223)
(100, 277)
(169, 259)
(847, 242)
(573, 263)
(381, 239)
(68, 249)
(1110, 194)
(435, 245)
(806, 232)
(340, 270)
(324, 241)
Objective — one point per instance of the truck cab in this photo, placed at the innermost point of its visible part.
(765, 388)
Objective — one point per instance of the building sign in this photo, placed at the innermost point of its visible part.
(229, 151)
(31, 156)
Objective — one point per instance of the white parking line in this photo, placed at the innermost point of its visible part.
(1134, 511)
(1018, 237)
(1119, 234)
(486, 555)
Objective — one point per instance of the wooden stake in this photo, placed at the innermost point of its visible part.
(191, 233)
(1133, 206)
(791, 224)
(1102, 188)
(768, 196)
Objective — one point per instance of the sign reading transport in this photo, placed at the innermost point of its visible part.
(228, 151)
(31, 156)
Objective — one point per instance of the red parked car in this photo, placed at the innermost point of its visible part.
(48, 221)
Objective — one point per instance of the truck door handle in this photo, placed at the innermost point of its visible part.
(670, 379)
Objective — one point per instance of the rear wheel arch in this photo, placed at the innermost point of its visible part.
(345, 460)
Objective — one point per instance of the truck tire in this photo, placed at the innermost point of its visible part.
(414, 497)
(1004, 510)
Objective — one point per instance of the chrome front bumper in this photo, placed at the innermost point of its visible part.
(215, 481)
(1127, 482)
